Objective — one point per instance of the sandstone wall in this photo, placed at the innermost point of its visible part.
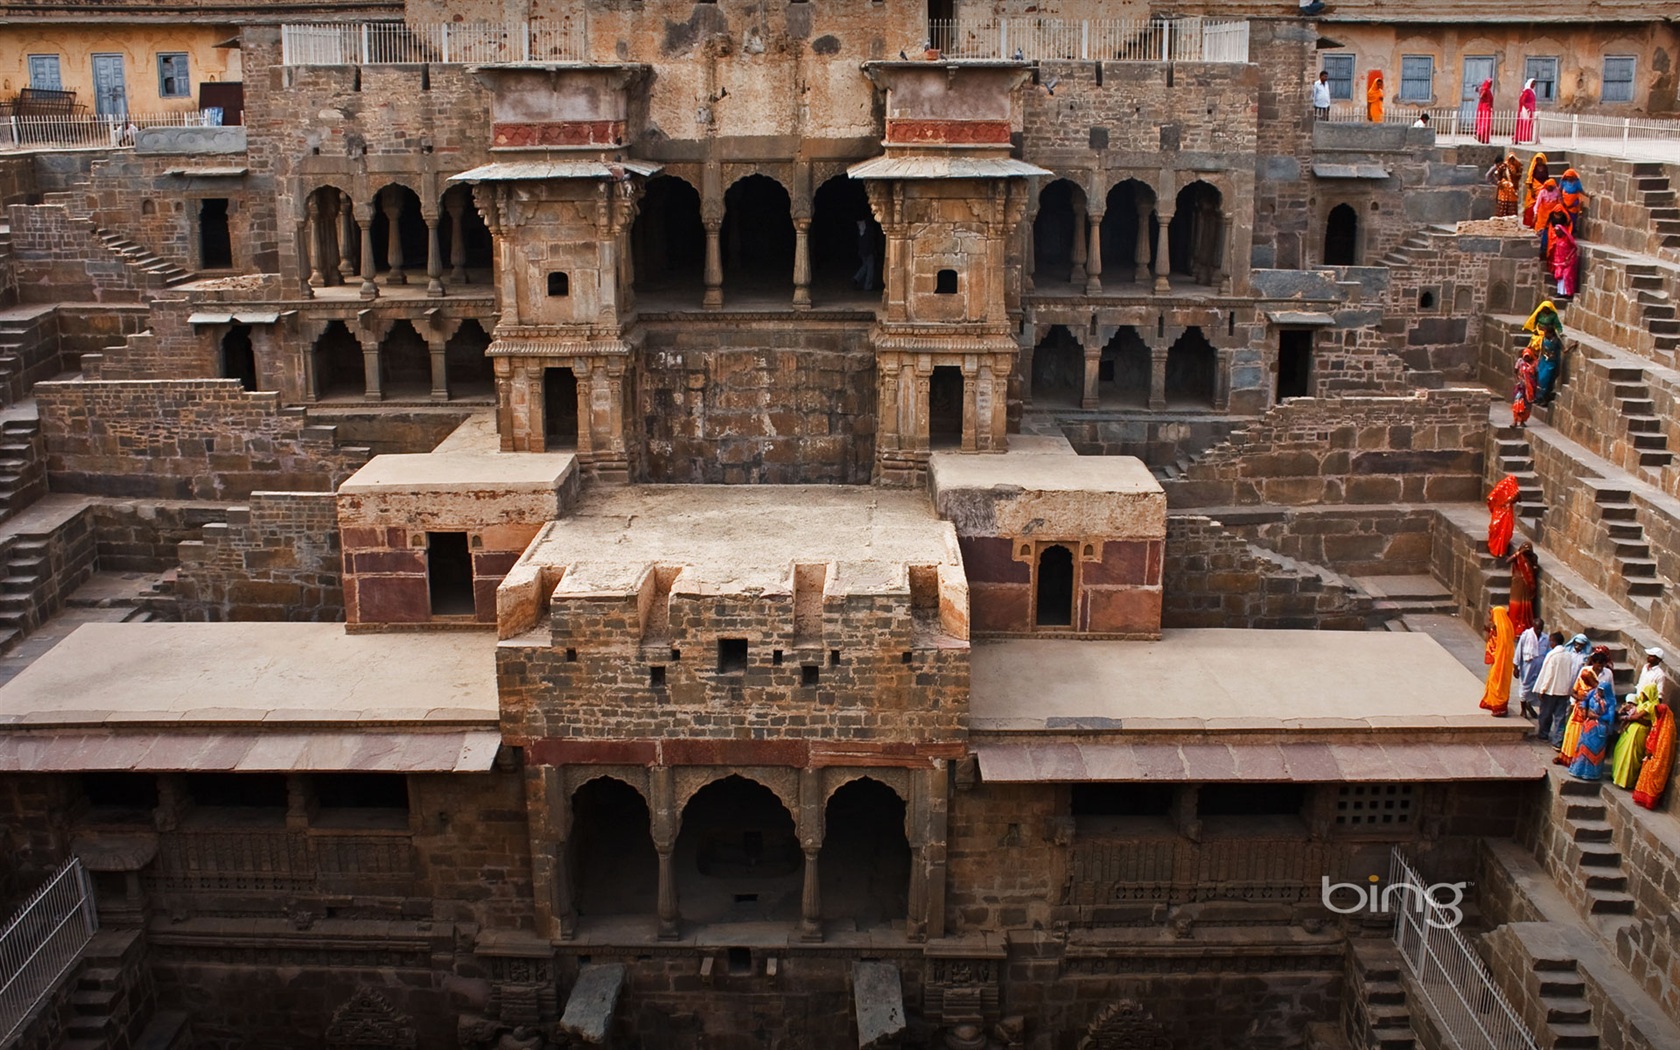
(145, 535)
(1362, 541)
(58, 258)
(199, 439)
(1215, 578)
(276, 558)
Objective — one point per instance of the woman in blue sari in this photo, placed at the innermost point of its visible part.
(1598, 713)
(1551, 363)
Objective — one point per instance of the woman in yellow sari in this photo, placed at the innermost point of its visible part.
(1659, 758)
(1374, 96)
(1534, 180)
(1501, 653)
(1630, 746)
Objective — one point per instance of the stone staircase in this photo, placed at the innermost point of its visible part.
(1638, 413)
(1380, 1017)
(158, 270)
(1655, 308)
(1563, 997)
(1635, 567)
(23, 467)
(1656, 195)
(1597, 862)
(1510, 447)
(1406, 252)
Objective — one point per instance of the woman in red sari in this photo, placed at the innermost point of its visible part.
(1503, 521)
(1526, 106)
(1659, 758)
(1562, 254)
(1525, 587)
(1527, 389)
(1501, 655)
(1484, 112)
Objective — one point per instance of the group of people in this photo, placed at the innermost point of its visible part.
(1550, 206)
(1523, 131)
(1538, 368)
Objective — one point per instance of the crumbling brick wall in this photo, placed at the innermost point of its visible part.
(1215, 578)
(276, 558)
(59, 258)
(183, 439)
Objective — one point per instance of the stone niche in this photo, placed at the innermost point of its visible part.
(428, 538)
(564, 106)
(1053, 543)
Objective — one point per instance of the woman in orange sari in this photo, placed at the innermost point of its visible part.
(1659, 759)
(1503, 521)
(1374, 96)
(1501, 654)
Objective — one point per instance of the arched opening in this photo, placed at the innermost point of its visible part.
(399, 234)
(239, 357)
(464, 242)
(1129, 232)
(1055, 231)
(613, 860)
(335, 250)
(405, 363)
(864, 865)
(1058, 369)
(757, 235)
(845, 257)
(1124, 370)
(467, 369)
(738, 856)
(215, 242)
(338, 363)
(1195, 236)
(945, 407)
(1341, 236)
(669, 240)
(560, 409)
(1053, 587)
(1192, 369)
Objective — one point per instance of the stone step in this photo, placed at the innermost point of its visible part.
(1643, 424)
(1393, 1038)
(1611, 903)
(1582, 788)
(1608, 883)
(1562, 986)
(1591, 830)
(1618, 512)
(1621, 530)
(1645, 588)
(1596, 855)
(1560, 1011)
(1645, 281)
(1611, 494)
(1574, 1037)
(1641, 567)
(1655, 312)
(1629, 389)
(1652, 181)
(1384, 993)
(1663, 326)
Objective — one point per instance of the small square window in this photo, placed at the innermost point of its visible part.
(1340, 68)
(571, 656)
(172, 75)
(775, 658)
(945, 282)
(732, 655)
(1618, 78)
(1417, 78)
(559, 285)
(834, 658)
(656, 677)
(809, 674)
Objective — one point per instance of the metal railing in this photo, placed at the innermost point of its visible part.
(1092, 39)
(1446, 969)
(454, 43)
(86, 131)
(1602, 132)
(42, 943)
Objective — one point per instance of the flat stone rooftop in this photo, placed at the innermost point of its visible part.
(1026, 488)
(253, 696)
(737, 538)
(1238, 705)
(461, 471)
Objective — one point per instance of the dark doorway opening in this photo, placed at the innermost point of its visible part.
(616, 868)
(469, 372)
(239, 358)
(237, 790)
(470, 261)
(215, 243)
(865, 859)
(449, 573)
(1192, 368)
(405, 362)
(1194, 237)
(1250, 800)
(360, 800)
(1294, 374)
(738, 854)
(1053, 597)
(837, 247)
(560, 409)
(945, 407)
(338, 363)
(1058, 369)
(120, 798)
(1129, 215)
(1341, 237)
(1054, 228)
(404, 253)
(669, 240)
(757, 234)
(1123, 372)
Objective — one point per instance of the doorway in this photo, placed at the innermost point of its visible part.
(1294, 371)
(1053, 592)
(945, 407)
(239, 359)
(215, 243)
(560, 409)
(110, 87)
(449, 573)
(1477, 68)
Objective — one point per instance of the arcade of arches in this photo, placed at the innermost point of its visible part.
(392, 240)
(1127, 370)
(402, 362)
(1124, 242)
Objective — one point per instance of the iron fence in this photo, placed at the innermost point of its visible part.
(455, 43)
(1601, 132)
(88, 131)
(1091, 39)
(42, 942)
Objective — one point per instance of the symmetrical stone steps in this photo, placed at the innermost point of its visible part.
(158, 270)
(1382, 1018)
(1654, 304)
(1563, 995)
(1598, 863)
(1517, 460)
(1656, 195)
(1626, 540)
(23, 472)
(1639, 416)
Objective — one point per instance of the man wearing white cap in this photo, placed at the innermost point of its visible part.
(1652, 671)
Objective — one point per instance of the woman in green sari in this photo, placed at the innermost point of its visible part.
(1630, 746)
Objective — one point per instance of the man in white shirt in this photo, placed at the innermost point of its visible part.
(1556, 678)
(1321, 95)
(1532, 646)
(1652, 672)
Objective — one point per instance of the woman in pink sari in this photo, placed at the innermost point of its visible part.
(1484, 113)
(1562, 253)
(1526, 105)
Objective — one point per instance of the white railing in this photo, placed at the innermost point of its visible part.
(455, 43)
(1446, 969)
(1602, 133)
(1092, 39)
(42, 943)
(85, 131)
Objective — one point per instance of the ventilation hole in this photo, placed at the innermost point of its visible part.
(571, 656)
(834, 658)
(808, 674)
(945, 282)
(656, 677)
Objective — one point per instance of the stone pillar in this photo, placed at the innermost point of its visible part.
(370, 367)
(811, 804)
(1076, 275)
(802, 264)
(665, 822)
(714, 266)
(457, 240)
(1163, 258)
(392, 206)
(346, 234)
(1093, 367)
(1028, 247)
(1157, 377)
(1224, 254)
(438, 345)
(1093, 264)
(1222, 379)
(297, 801)
(364, 227)
(552, 884)
(434, 256)
(312, 241)
(1140, 271)
(305, 252)
(970, 412)
(331, 251)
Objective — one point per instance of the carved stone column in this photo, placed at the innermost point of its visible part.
(1093, 369)
(330, 251)
(370, 367)
(457, 240)
(1163, 258)
(438, 345)
(434, 256)
(392, 206)
(1224, 241)
(346, 234)
(1076, 275)
(312, 241)
(1140, 260)
(665, 826)
(714, 266)
(802, 264)
(1094, 261)
(364, 228)
(1028, 247)
(1157, 377)
(810, 841)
